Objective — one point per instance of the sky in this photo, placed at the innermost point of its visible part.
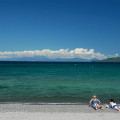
(87, 29)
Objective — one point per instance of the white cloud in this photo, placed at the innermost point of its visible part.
(112, 56)
(53, 54)
(116, 55)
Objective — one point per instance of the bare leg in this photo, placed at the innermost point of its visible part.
(100, 107)
(116, 108)
(95, 107)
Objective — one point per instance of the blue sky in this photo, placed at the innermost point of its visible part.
(60, 24)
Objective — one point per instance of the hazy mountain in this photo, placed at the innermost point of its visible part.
(42, 58)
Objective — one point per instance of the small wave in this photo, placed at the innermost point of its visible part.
(2, 87)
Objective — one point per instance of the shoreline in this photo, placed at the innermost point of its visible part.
(45, 103)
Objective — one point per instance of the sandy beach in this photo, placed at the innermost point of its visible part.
(54, 112)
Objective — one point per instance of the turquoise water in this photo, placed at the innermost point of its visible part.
(54, 82)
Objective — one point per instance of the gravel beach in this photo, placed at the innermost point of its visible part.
(54, 112)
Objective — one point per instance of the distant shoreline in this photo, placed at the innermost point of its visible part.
(61, 61)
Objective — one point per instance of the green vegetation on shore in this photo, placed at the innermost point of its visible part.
(109, 60)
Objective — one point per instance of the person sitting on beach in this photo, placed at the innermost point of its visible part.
(114, 105)
(95, 103)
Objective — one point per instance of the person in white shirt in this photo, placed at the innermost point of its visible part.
(114, 105)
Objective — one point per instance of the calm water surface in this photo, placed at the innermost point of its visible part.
(58, 82)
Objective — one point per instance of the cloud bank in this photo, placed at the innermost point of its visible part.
(55, 54)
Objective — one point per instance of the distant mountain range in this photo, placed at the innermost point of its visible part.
(42, 58)
(114, 59)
